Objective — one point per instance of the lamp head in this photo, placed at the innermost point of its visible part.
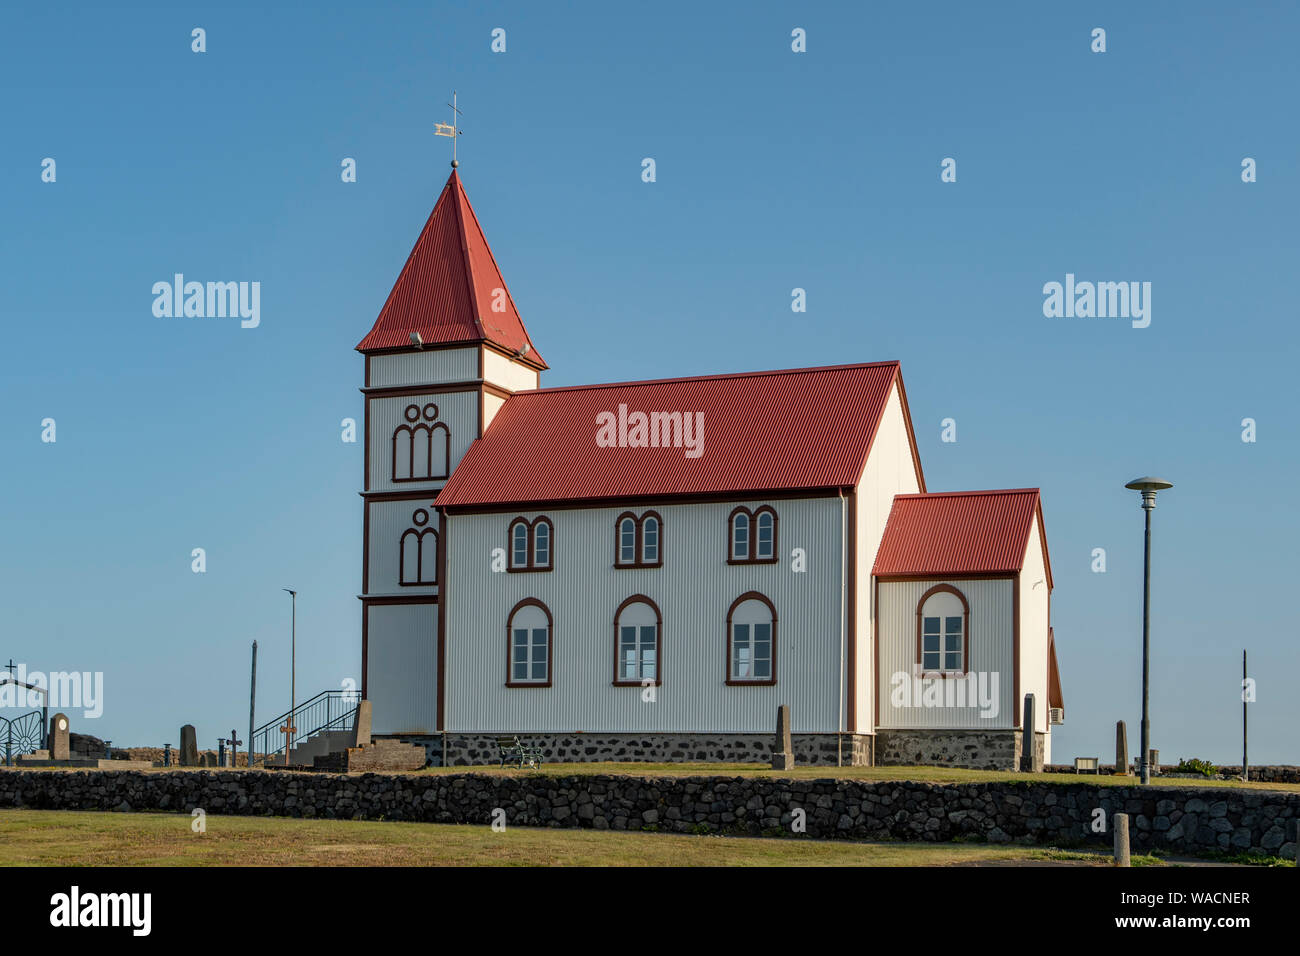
(1149, 486)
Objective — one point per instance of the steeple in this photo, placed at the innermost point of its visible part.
(450, 291)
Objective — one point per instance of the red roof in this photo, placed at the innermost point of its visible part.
(960, 532)
(797, 429)
(448, 287)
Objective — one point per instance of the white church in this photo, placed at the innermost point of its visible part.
(647, 570)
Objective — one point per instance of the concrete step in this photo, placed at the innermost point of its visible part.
(327, 742)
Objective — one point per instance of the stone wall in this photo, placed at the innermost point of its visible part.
(973, 749)
(824, 750)
(1186, 820)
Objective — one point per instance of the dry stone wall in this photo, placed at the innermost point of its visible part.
(1188, 820)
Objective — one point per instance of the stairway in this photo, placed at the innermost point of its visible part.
(327, 742)
(326, 724)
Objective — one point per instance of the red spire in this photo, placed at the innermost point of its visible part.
(448, 287)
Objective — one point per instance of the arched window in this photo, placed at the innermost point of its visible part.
(942, 631)
(542, 543)
(418, 552)
(740, 536)
(751, 640)
(421, 446)
(519, 544)
(529, 644)
(638, 642)
(639, 541)
(532, 544)
(764, 534)
(627, 540)
(751, 536)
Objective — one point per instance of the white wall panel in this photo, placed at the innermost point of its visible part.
(890, 471)
(991, 651)
(1033, 629)
(508, 374)
(491, 405)
(459, 410)
(402, 670)
(389, 520)
(426, 367)
(693, 589)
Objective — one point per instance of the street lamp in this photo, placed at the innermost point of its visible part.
(1148, 486)
(289, 727)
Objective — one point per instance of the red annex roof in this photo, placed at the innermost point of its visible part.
(447, 289)
(787, 430)
(959, 532)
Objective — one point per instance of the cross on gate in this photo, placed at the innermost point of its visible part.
(288, 729)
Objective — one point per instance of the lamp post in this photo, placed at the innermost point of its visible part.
(290, 728)
(1148, 486)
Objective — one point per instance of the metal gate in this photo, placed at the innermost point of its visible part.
(22, 735)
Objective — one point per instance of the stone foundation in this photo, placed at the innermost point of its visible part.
(972, 749)
(976, 750)
(821, 750)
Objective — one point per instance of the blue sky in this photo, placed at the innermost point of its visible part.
(775, 170)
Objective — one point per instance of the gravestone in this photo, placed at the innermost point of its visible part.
(189, 747)
(207, 759)
(1121, 748)
(1153, 760)
(783, 752)
(1027, 748)
(60, 738)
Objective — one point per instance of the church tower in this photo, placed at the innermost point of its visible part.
(445, 353)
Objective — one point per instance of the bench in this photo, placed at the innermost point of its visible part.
(519, 753)
(1087, 763)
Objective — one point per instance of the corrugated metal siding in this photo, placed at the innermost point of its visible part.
(402, 670)
(459, 410)
(426, 367)
(388, 521)
(763, 431)
(693, 589)
(501, 371)
(447, 288)
(991, 651)
(957, 532)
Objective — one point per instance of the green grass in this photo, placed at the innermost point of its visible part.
(74, 838)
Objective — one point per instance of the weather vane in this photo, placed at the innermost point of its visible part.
(450, 129)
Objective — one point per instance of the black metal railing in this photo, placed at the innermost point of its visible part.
(328, 710)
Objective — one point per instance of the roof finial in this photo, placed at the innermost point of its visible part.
(450, 129)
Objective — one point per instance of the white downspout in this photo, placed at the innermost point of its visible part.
(844, 572)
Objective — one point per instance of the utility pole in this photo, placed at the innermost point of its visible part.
(1245, 699)
(252, 702)
(1148, 487)
(289, 728)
